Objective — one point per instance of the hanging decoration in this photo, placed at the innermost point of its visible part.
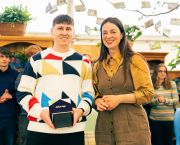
(149, 23)
(145, 4)
(152, 6)
(92, 12)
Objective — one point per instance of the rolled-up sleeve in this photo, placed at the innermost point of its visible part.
(144, 90)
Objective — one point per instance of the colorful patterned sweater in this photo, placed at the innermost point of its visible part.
(50, 76)
(164, 111)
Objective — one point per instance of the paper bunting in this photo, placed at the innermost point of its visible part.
(48, 7)
(157, 26)
(53, 9)
(175, 21)
(166, 32)
(87, 29)
(99, 20)
(80, 8)
(148, 23)
(146, 4)
(172, 5)
(92, 12)
(119, 5)
(61, 2)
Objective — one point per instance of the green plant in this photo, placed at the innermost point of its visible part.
(175, 61)
(11, 14)
(132, 32)
(22, 57)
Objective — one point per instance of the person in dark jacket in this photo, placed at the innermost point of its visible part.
(8, 103)
(22, 117)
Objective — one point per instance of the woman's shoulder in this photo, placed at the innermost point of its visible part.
(137, 57)
(139, 62)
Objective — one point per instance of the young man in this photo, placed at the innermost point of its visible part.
(57, 73)
(22, 116)
(8, 103)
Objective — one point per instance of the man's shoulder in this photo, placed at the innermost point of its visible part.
(74, 55)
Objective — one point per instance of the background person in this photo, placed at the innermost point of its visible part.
(22, 116)
(122, 82)
(8, 104)
(162, 107)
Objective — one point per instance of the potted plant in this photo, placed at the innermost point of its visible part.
(132, 32)
(13, 20)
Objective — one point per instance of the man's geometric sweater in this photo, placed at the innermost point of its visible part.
(50, 76)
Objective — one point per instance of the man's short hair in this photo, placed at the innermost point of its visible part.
(5, 51)
(63, 19)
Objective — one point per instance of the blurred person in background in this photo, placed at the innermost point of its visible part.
(22, 117)
(8, 104)
(163, 107)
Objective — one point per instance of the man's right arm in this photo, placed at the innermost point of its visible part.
(26, 89)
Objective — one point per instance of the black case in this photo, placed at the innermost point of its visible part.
(61, 114)
(62, 119)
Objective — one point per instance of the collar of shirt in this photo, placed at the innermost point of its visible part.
(112, 63)
(6, 71)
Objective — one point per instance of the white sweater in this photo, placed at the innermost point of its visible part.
(47, 76)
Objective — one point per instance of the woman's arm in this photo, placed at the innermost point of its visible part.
(174, 99)
(144, 90)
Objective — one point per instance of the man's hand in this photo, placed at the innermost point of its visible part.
(45, 116)
(6, 95)
(2, 100)
(77, 114)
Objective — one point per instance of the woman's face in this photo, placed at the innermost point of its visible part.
(162, 72)
(111, 36)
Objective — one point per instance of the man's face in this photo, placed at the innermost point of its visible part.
(4, 60)
(63, 34)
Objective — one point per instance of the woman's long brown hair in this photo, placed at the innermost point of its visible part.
(124, 46)
(166, 83)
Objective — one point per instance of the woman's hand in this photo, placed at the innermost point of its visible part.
(161, 99)
(101, 104)
(112, 101)
(45, 116)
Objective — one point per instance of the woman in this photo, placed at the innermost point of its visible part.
(122, 83)
(163, 105)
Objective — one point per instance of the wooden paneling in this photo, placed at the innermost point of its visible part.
(39, 40)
